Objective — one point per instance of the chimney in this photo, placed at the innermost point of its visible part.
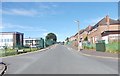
(90, 27)
(107, 20)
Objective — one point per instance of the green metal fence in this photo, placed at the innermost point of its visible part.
(41, 43)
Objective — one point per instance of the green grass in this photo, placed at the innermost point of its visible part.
(30, 49)
(9, 52)
(89, 46)
(113, 47)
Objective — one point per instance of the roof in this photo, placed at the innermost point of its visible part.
(89, 28)
(11, 33)
(105, 33)
(33, 38)
(80, 32)
(103, 22)
(72, 36)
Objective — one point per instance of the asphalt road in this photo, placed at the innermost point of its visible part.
(59, 59)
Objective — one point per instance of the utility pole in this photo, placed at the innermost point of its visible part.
(78, 23)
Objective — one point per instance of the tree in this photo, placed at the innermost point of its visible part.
(67, 39)
(51, 36)
(50, 39)
(86, 38)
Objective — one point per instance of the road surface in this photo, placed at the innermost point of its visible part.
(59, 59)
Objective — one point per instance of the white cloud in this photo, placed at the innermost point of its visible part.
(40, 9)
(47, 5)
(22, 27)
(9, 25)
(22, 12)
(45, 34)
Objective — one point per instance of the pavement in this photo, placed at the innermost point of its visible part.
(59, 60)
(99, 54)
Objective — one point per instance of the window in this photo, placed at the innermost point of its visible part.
(1, 40)
(28, 41)
(11, 40)
(7, 40)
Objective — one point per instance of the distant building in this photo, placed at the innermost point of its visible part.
(80, 34)
(85, 33)
(11, 39)
(72, 38)
(32, 42)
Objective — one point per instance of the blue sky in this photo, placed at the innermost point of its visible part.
(36, 19)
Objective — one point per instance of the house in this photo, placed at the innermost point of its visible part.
(11, 39)
(106, 24)
(32, 42)
(111, 36)
(80, 34)
(84, 34)
(72, 38)
(75, 37)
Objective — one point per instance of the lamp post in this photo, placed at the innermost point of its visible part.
(78, 23)
(108, 23)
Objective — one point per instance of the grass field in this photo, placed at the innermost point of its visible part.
(9, 52)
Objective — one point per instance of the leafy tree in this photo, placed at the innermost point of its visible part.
(67, 39)
(86, 38)
(50, 39)
(51, 36)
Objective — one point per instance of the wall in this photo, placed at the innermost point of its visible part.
(6, 40)
(105, 38)
(114, 27)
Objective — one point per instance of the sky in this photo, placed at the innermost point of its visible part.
(60, 0)
(37, 19)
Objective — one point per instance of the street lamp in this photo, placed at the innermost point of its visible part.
(78, 23)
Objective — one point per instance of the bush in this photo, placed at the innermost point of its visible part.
(8, 52)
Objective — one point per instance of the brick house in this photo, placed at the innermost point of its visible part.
(106, 24)
(72, 38)
(111, 36)
(84, 34)
(75, 43)
(80, 34)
